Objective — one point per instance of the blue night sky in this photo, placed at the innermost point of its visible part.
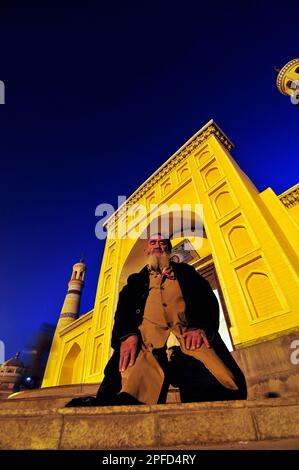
(97, 98)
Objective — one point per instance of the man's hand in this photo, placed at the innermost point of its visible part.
(194, 338)
(128, 351)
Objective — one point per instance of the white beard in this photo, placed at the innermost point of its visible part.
(158, 263)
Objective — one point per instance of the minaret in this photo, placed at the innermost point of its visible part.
(71, 305)
(287, 80)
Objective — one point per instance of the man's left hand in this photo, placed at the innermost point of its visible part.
(194, 338)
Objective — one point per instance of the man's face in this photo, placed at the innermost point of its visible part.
(157, 245)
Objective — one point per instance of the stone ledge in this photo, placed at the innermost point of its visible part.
(57, 391)
(31, 432)
(17, 405)
(190, 425)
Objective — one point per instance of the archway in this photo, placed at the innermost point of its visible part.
(70, 373)
(190, 245)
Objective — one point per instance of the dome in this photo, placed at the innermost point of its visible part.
(81, 262)
(282, 75)
(14, 362)
(11, 374)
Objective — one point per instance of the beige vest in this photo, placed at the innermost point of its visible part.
(164, 314)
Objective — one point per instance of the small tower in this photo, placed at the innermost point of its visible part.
(287, 80)
(71, 305)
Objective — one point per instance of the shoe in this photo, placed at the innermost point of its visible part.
(82, 401)
(124, 398)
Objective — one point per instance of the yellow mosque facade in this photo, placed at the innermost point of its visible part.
(248, 249)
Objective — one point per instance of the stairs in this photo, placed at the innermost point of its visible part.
(37, 419)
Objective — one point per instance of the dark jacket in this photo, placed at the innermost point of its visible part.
(202, 310)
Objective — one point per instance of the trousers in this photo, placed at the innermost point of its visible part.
(195, 382)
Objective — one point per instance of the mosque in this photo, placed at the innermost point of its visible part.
(244, 242)
(247, 249)
(11, 374)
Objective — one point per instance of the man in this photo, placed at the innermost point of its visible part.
(167, 301)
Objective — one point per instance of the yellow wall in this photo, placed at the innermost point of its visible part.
(68, 359)
(256, 257)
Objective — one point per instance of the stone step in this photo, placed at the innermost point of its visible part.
(60, 390)
(48, 397)
(57, 397)
(272, 423)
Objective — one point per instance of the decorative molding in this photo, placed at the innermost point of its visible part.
(69, 315)
(82, 319)
(74, 291)
(290, 198)
(210, 129)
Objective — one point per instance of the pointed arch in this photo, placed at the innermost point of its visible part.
(70, 371)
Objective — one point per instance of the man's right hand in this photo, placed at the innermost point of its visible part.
(128, 352)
